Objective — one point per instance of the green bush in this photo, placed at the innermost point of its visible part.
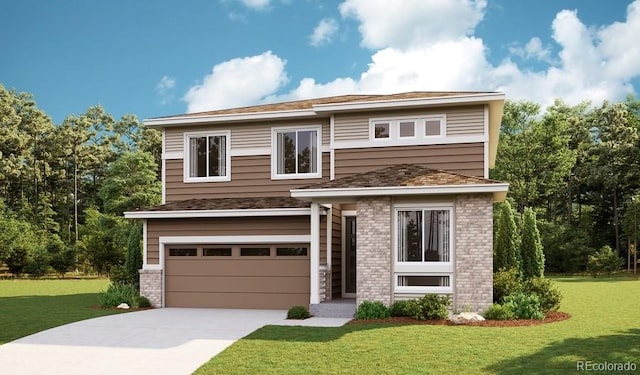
(143, 301)
(525, 306)
(505, 282)
(500, 312)
(38, 264)
(604, 261)
(433, 306)
(120, 293)
(120, 275)
(549, 296)
(372, 310)
(298, 312)
(400, 308)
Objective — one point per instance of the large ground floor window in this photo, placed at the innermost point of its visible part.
(423, 249)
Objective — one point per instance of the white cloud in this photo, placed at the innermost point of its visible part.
(323, 33)
(238, 82)
(405, 23)
(534, 49)
(164, 89)
(256, 4)
(429, 52)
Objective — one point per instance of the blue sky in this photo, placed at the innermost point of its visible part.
(155, 58)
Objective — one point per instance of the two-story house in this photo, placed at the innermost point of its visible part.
(370, 197)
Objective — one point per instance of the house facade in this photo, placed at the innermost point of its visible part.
(370, 197)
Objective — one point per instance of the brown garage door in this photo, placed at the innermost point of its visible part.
(236, 276)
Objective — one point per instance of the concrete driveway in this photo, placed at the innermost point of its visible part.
(159, 341)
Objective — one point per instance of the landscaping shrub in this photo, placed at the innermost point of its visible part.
(298, 312)
(38, 264)
(400, 308)
(500, 312)
(431, 306)
(143, 301)
(119, 275)
(604, 261)
(525, 306)
(372, 310)
(120, 293)
(505, 282)
(549, 296)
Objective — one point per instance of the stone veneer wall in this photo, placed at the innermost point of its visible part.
(373, 261)
(151, 286)
(473, 252)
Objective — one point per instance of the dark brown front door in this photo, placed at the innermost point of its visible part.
(350, 255)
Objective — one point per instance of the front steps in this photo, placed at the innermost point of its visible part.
(337, 308)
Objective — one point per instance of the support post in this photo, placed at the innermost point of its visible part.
(315, 255)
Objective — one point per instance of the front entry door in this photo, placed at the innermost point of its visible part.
(350, 256)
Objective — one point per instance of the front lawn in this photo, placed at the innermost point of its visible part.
(605, 327)
(30, 306)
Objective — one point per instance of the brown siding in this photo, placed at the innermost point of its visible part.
(336, 252)
(465, 158)
(467, 120)
(323, 240)
(233, 226)
(250, 177)
(243, 135)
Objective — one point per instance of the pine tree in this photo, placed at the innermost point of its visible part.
(133, 261)
(506, 242)
(532, 255)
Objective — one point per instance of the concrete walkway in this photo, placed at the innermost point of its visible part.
(158, 341)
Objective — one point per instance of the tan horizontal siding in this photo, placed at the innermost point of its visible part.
(467, 120)
(250, 177)
(234, 226)
(243, 135)
(466, 159)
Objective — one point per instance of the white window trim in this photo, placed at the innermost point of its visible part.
(424, 268)
(187, 161)
(419, 137)
(274, 153)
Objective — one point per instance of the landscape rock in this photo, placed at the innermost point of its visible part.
(123, 306)
(466, 317)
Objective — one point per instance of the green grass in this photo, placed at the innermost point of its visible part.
(30, 306)
(605, 326)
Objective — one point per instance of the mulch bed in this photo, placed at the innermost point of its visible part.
(554, 316)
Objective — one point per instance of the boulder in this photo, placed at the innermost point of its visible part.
(466, 317)
(123, 306)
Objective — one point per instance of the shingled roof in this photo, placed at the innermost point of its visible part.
(230, 204)
(310, 103)
(402, 175)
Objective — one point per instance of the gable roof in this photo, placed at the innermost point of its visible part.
(324, 106)
(402, 179)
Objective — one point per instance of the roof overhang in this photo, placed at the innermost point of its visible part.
(187, 214)
(162, 122)
(499, 191)
(469, 98)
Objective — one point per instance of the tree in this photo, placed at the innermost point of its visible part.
(531, 247)
(133, 261)
(130, 183)
(506, 254)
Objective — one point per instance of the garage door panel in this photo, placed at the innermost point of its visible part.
(236, 300)
(238, 284)
(238, 267)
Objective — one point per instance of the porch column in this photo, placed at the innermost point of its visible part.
(315, 255)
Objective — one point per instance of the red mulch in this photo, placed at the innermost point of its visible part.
(554, 316)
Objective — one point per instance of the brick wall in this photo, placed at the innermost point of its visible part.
(373, 261)
(151, 286)
(474, 252)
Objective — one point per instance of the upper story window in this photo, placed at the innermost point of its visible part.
(296, 153)
(207, 156)
(407, 129)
